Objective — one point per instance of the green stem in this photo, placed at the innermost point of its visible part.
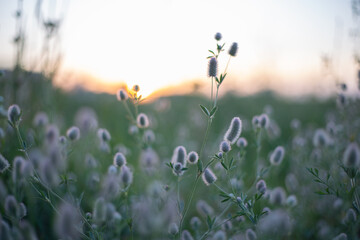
(133, 119)
(212, 88)
(217, 92)
(188, 203)
(178, 195)
(227, 64)
(353, 185)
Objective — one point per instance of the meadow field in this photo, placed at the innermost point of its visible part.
(81, 165)
(88, 163)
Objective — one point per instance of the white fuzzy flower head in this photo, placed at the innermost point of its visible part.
(264, 121)
(277, 155)
(122, 95)
(277, 196)
(119, 159)
(321, 138)
(11, 206)
(208, 177)
(204, 208)
(14, 114)
(291, 201)
(126, 175)
(103, 135)
(40, 120)
(142, 120)
(255, 122)
(136, 88)
(225, 146)
(186, 235)
(193, 157)
(173, 229)
(261, 186)
(177, 169)
(341, 236)
(350, 216)
(212, 70)
(242, 142)
(250, 234)
(195, 223)
(233, 49)
(218, 36)
(73, 133)
(67, 222)
(179, 156)
(220, 235)
(234, 131)
(99, 213)
(351, 157)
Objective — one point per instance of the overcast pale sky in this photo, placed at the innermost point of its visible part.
(157, 43)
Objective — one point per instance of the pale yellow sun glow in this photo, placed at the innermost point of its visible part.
(160, 43)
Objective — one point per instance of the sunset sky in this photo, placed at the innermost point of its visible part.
(159, 43)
